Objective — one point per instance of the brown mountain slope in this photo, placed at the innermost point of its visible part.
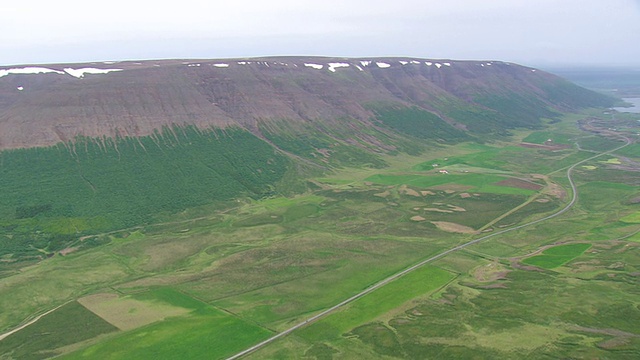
(50, 103)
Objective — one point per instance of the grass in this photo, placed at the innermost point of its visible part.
(62, 190)
(67, 325)
(308, 142)
(471, 321)
(317, 272)
(632, 218)
(43, 286)
(419, 123)
(614, 161)
(557, 256)
(202, 337)
(379, 302)
(203, 334)
(274, 261)
(632, 151)
(128, 312)
(530, 210)
(526, 317)
(598, 143)
(541, 137)
(475, 182)
(481, 157)
(597, 195)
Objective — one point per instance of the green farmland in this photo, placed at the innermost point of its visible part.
(201, 280)
(368, 308)
(557, 255)
(475, 182)
(201, 332)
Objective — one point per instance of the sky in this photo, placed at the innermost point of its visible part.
(528, 32)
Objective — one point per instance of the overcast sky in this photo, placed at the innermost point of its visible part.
(529, 32)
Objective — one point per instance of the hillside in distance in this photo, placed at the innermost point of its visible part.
(46, 104)
(89, 148)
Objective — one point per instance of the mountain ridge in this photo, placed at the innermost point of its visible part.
(136, 98)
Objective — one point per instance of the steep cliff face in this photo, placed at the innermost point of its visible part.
(45, 104)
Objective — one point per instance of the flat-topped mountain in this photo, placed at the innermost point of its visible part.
(119, 144)
(42, 105)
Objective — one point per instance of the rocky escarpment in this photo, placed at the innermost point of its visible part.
(45, 104)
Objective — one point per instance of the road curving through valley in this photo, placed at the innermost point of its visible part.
(574, 198)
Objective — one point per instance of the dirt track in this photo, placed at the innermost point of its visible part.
(31, 322)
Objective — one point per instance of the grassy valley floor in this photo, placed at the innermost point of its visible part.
(209, 284)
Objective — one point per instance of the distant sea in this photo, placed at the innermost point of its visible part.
(634, 109)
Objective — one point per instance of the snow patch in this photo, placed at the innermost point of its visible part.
(382, 65)
(79, 73)
(28, 70)
(193, 65)
(221, 65)
(333, 66)
(315, 66)
(403, 62)
(365, 63)
(415, 62)
(242, 63)
(428, 63)
(20, 88)
(438, 65)
(359, 68)
(534, 70)
(446, 64)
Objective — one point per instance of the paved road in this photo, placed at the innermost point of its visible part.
(382, 283)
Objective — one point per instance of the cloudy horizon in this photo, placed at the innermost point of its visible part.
(541, 33)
